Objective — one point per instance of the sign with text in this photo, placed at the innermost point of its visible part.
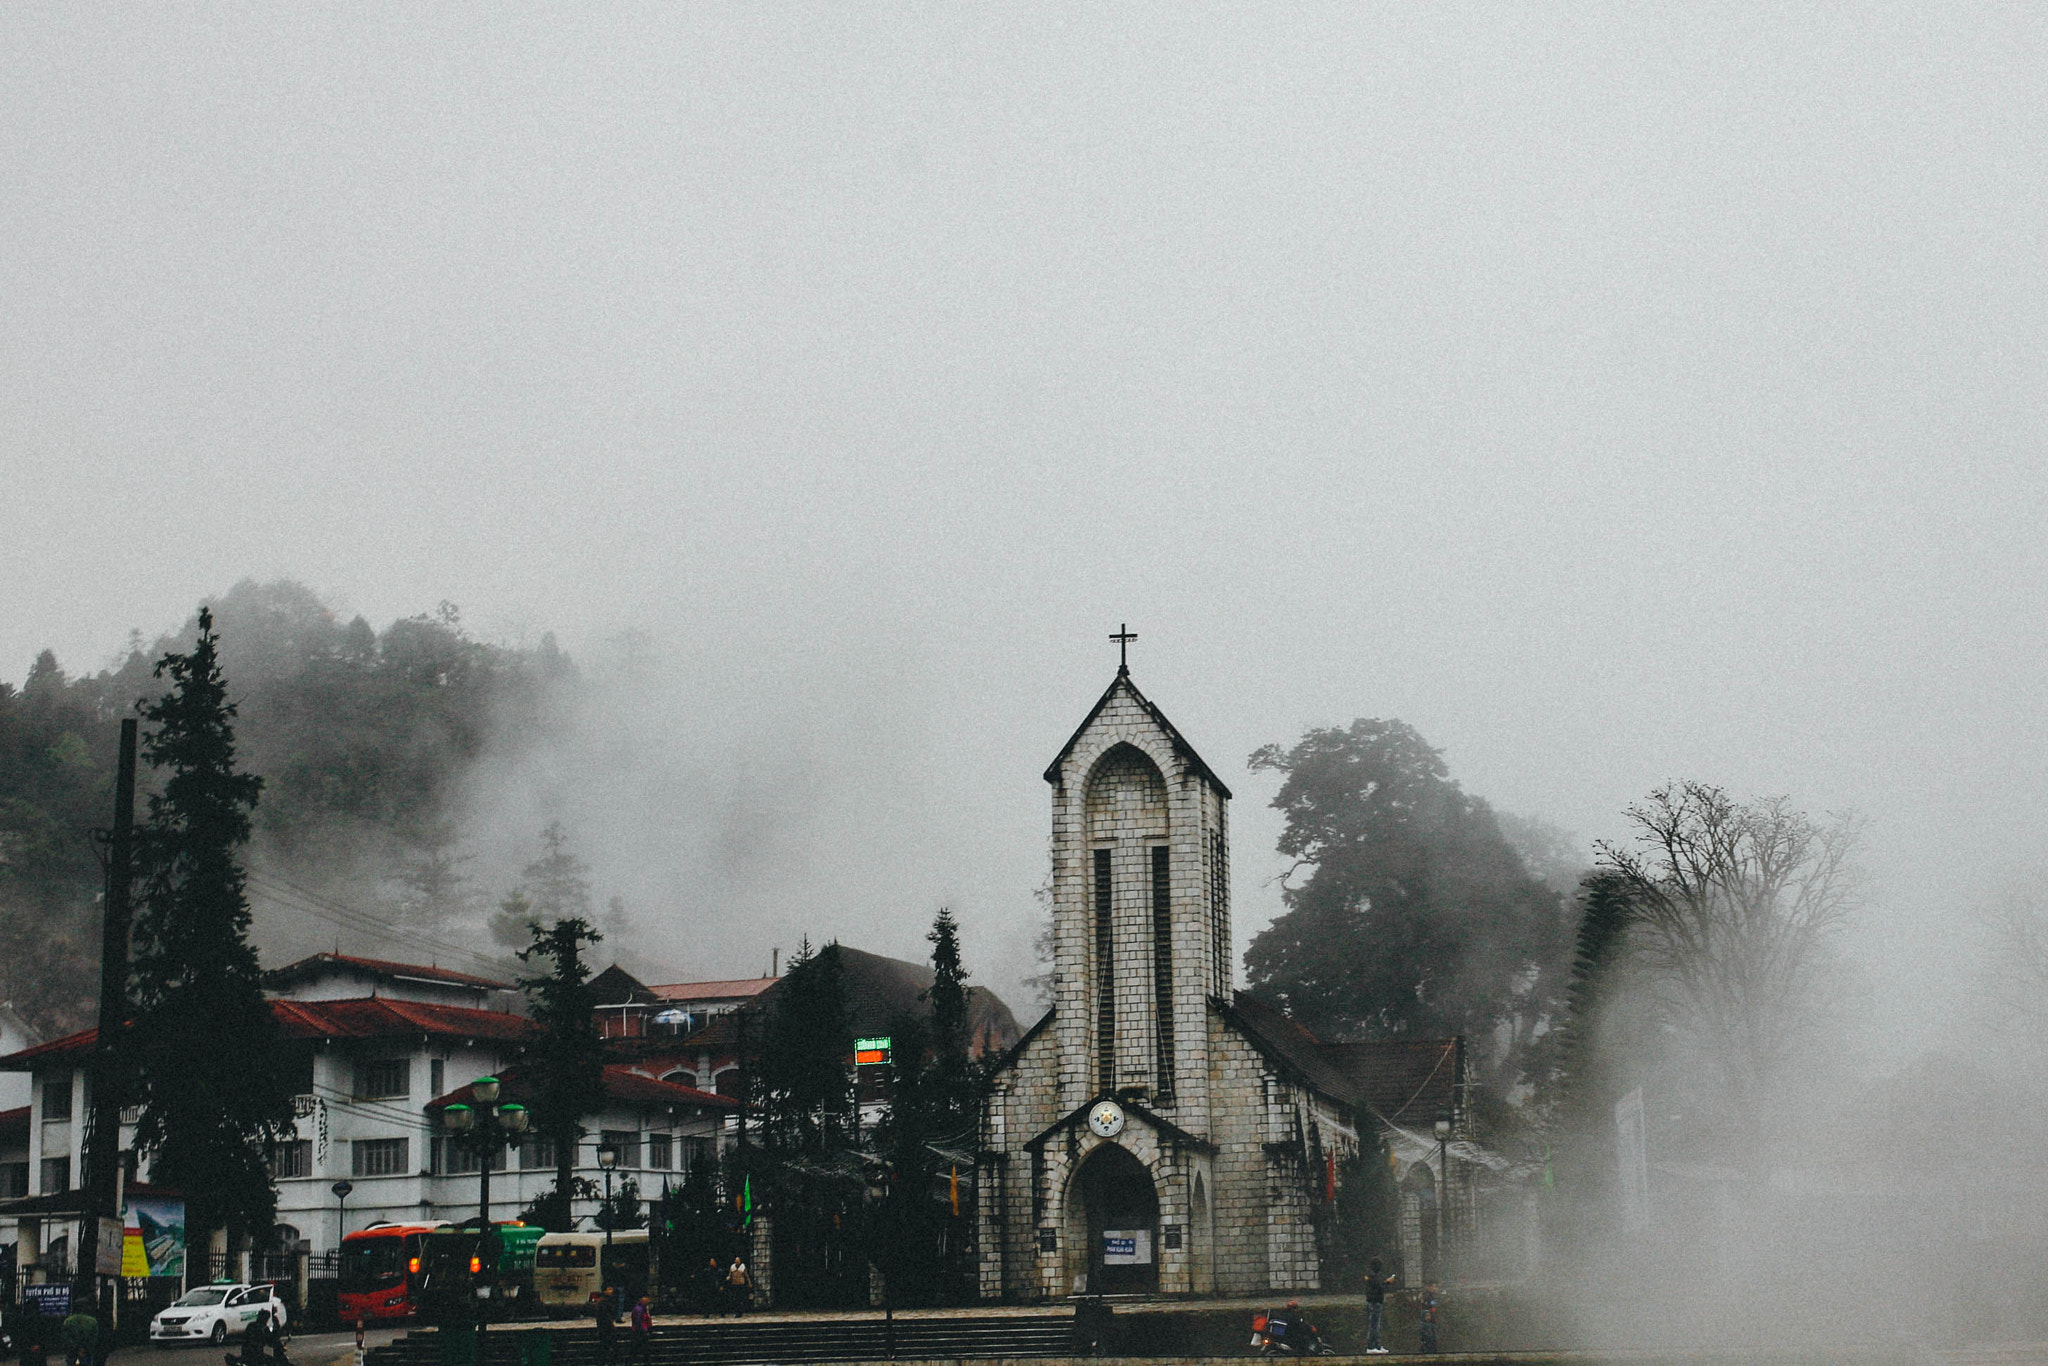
(871, 1052)
(1127, 1247)
(51, 1301)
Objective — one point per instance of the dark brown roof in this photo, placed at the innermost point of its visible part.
(1399, 1081)
(1180, 744)
(880, 991)
(1290, 1047)
(615, 986)
(311, 967)
(14, 1123)
(1404, 1082)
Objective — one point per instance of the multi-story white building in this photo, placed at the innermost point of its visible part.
(376, 1045)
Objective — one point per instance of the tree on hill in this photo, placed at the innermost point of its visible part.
(1416, 916)
(555, 886)
(568, 1057)
(204, 1054)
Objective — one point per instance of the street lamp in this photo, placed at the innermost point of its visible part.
(1443, 1179)
(341, 1190)
(607, 1158)
(879, 1181)
(486, 1129)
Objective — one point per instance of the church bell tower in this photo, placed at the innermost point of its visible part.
(1141, 908)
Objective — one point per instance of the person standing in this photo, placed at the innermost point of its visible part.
(739, 1288)
(607, 1319)
(709, 1278)
(1428, 1306)
(1376, 1283)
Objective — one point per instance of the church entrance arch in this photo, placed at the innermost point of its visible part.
(1119, 1210)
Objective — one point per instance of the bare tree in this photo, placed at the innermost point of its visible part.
(1733, 908)
(2016, 976)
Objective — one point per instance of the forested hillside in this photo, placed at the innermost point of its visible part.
(362, 738)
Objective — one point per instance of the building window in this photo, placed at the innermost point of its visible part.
(1162, 964)
(537, 1152)
(57, 1097)
(437, 1078)
(383, 1077)
(457, 1158)
(697, 1152)
(728, 1082)
(660, 1152)
(680, 1078)
(626, 1143)
(13, 1180)
(378, 1157)
(56, 1175)
(293, 1157)
(1105, 969)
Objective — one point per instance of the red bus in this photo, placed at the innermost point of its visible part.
(379, 1267)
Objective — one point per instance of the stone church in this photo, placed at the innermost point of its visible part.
(1156, 1132)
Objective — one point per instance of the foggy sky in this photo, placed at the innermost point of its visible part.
(1617, 394)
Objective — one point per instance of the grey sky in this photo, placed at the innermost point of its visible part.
(1615, 393)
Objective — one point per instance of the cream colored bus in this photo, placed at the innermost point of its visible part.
(566, 1269)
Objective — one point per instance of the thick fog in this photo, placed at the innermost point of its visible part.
(1617, 394)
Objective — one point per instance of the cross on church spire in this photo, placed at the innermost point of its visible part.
(1123, 638)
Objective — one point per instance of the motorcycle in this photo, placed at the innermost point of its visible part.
(1287, 1334)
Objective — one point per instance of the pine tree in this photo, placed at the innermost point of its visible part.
(556, 887)
(568, 1058)
(204, 1050)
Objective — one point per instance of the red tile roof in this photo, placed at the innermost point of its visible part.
(71, 1045)
(715, 991)
(14, 1122)
(620, 1083)
(373, 1017)
(309, 967)
(368, 1017)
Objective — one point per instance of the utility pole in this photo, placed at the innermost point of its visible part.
(99, 1207)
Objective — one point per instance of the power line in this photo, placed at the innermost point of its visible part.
(294, 897)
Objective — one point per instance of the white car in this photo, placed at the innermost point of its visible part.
(214, 1313)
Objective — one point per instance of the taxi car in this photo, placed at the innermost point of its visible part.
(213, 1313)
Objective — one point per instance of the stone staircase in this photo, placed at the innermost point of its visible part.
(743, 1342)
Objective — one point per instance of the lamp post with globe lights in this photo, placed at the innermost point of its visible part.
(608, 1161)
(1443, 1179)
(485, 1129)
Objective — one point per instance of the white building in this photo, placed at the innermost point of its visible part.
(376, 1043)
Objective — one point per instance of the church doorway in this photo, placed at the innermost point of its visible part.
(1121, 1211)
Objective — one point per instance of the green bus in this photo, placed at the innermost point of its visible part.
(461, 1280)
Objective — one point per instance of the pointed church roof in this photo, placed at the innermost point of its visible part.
(1180, 743)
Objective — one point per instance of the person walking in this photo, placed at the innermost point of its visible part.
(1427, 1306)
(643, 1332)
(81, 1335)
(1376, 1282)
(739, 1288)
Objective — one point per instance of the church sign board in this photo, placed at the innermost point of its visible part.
(871, 1052)
(1127, 1247)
